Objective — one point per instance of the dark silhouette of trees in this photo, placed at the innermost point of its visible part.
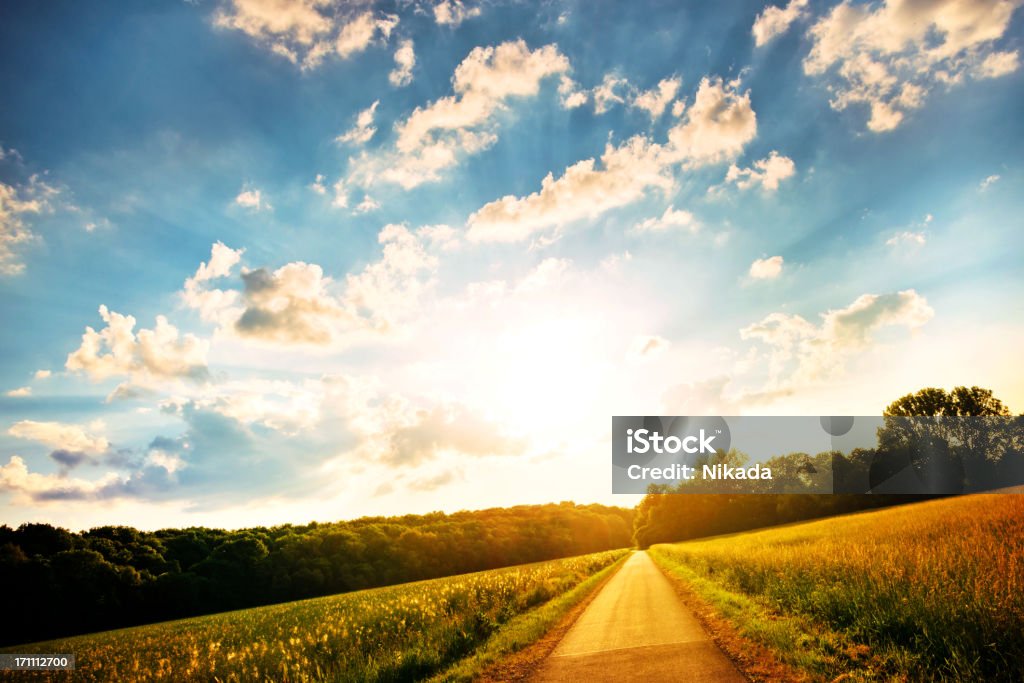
(933, 442)
(62, 583)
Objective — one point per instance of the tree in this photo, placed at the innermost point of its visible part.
(947, 442)
(961, 401)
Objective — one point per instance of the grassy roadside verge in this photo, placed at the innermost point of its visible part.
(766, 645)
(930, 591)
(521, 637)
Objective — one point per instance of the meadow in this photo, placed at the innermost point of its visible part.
(928, 591)
(398, 633)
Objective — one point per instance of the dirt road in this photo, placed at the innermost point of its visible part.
(637, 629)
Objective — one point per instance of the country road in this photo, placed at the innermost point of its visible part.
(637, 629)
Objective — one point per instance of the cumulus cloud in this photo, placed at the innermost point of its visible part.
(435, 137)
(888, 57)
(359, 134)
(802, 352)
(213, 303)
(405, 60)
(655, 100)
(672, 219)
(453, 12)
(60, 436)
(43, 374)
(306, 31)
(767, 173)
(144, 356)
(252, 199)
(17, 203)
(16, 478)
(290, 304)
(766, 268)
(298, 304)
(584, 190)
(775, 21)
(20, 392)
(717, 127)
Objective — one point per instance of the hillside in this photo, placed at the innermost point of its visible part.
(931, 590)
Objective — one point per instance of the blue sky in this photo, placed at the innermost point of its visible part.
(383, 258)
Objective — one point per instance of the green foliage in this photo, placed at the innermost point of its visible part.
(399, 633)
(119, 576)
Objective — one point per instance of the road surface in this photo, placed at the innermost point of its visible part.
(637, 629)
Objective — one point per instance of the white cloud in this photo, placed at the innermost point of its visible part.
(906, 237)
(435, 137)
(298, 304)
(291, 305)
(405, 60)
(361, 133)
(318, 185)
(801, 352)
(60, 436)
(252, 199)
(306, 31)
(212, 304)
(889, 56)
(988, 182)
(340, 199)
(583, 191)
(34, 487)
(357, 35)
(145, 356)
(672, 219)
(766, 268)
(368, 204)
(774, 21)
(15, 204)
(604, 94)
(453, 12)
(767, 173)
(717, 127)
(20, 392)
(655, 100)
(43, 374)
(998, 64)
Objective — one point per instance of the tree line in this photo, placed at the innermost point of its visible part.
(931, 443)
(62, 583)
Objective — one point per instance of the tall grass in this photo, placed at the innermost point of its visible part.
(399, 633)
(936, 590)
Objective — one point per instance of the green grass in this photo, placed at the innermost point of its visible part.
(399, 633)
(920, 592)
(524, 629)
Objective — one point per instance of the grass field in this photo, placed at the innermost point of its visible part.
(919, 592)
(399, 633)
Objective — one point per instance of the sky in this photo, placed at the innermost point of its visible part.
(271, 261)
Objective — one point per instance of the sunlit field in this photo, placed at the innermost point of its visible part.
(927, 591)
(398, 633)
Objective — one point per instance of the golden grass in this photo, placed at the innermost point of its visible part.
(919, 592)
